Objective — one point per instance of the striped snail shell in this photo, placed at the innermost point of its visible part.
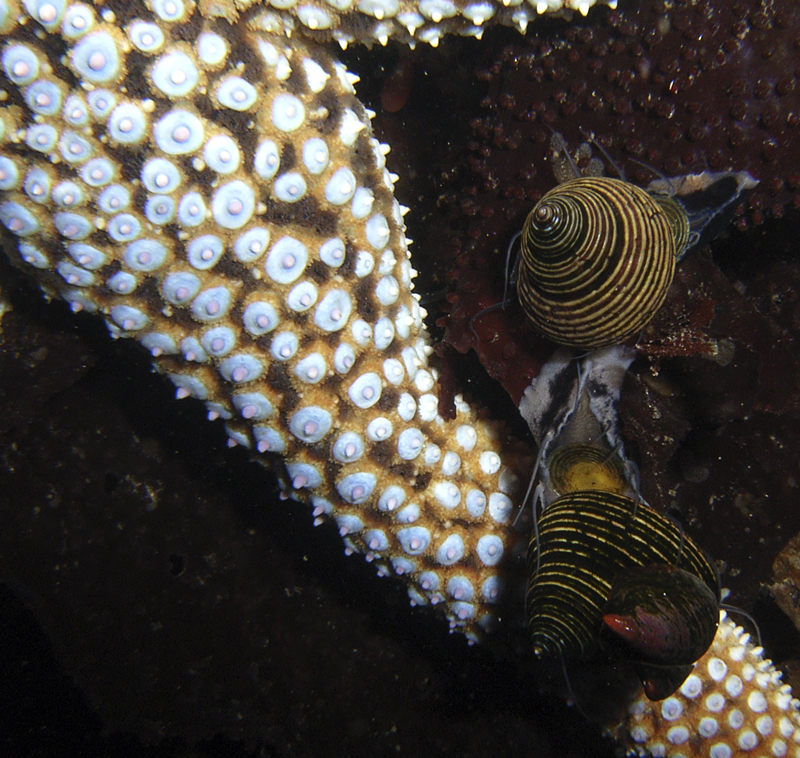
(583, 466)
(586, 541)
(597, 258)
(610, 579)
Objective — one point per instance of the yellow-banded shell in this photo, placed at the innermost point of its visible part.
(585, 467)
(586, 540)
(597, 258)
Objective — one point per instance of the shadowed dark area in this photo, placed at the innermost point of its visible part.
(191, 607)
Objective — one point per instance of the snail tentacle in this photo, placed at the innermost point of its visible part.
(509, 282)
(510, 279)
(592, 140)
(742, 612)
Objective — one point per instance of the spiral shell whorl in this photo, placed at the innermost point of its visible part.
(678, 220)
(598, 256)
(585, 467)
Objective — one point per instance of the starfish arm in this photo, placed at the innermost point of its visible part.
(222, 201)
(732, 703)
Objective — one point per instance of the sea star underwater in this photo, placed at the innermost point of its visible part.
(365, 193)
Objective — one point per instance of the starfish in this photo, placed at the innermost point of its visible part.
(256, 250)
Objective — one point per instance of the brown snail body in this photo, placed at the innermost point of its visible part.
(597, 258)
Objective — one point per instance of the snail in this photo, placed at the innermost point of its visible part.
(609, 576)
(607, 572)
(597, 258)
(597, 255)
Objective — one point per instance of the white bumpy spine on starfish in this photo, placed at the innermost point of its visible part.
(214, 191)
(412, 21)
